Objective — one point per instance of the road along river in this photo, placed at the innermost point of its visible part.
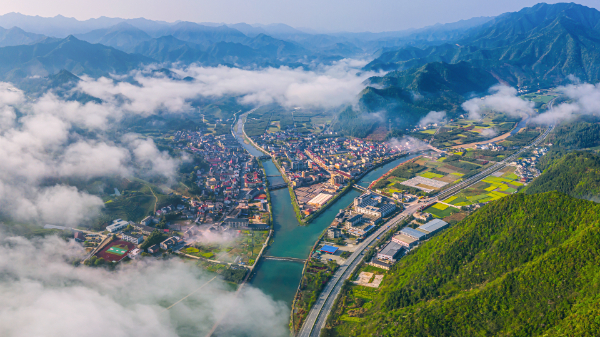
(280, 279)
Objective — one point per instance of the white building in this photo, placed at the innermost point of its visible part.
(134, 254)
(117, 225)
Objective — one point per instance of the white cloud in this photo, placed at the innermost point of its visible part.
(44, 295)
(325, 86)
(43, 145)
(584, 100)
(433, 117)
(502, 99)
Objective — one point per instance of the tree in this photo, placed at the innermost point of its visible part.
(152, 239)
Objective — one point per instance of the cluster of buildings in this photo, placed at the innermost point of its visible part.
(136, 233)
(403, 241)
(367, 211)
(525, 167)
(491, 147)
(340, 156)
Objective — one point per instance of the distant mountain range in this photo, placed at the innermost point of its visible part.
(537, 47)
(433, 68)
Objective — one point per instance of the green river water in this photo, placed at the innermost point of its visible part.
(280, 279)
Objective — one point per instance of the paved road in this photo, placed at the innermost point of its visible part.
(315, 321)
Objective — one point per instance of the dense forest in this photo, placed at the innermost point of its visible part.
(576, 174)
(525, 265)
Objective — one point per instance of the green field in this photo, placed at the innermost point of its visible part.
(438, 213)
(116, 250)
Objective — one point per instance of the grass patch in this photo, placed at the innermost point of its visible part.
(439, 206)
(431, 175)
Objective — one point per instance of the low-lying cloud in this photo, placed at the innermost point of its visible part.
(43, 294)
(585, 100)
(43, 144)
(502, 98)
(408, 143)
(45, 141)
(324, 86)
(433, 117)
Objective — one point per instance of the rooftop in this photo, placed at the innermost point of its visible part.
(391, 249)
(328, 249)
(433, 225)
(404, 238)
(412, 232)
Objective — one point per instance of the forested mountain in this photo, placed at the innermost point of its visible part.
(576, 174)
(122, 36)
(540, 46)
(407, 96)
(525, 265)
(16, 36)
(544, 43)
(51, 56)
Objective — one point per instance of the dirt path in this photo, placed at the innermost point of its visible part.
(473, 145)
(155, 198)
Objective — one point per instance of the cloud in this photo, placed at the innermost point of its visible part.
(324, 86)
(58, 139)
(584, 100)
(433, 117)
(489, 132)
(502, 99)
(44, 145)
(408, 143)
(43, 294)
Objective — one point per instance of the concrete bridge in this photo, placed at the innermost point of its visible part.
(360, 188)
(277, 186)
(277, 258)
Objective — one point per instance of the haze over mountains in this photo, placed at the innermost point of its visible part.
(430, 69)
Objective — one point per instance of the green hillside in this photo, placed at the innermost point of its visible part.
(540, 44)
(537, 47)
(408, 95)
(576, 174)
(525, 265)
(51, 56)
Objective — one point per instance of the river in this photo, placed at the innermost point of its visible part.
(280, 279)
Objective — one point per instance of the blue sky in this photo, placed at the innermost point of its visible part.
(321, 15)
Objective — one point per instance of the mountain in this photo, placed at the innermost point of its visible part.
(61, 27)
(576, 174)
(16, 36)
(525, 265)
(169, 49)
(202, 35)
(78, 57)
(542, 44)
(538, 47)
(407, 96)
(58, 26)
(275, 48)
(122, 36)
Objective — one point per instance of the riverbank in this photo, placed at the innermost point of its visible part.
(387, 174)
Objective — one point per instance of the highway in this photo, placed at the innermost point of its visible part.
(315, 321)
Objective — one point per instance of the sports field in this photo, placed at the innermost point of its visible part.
(116, 250)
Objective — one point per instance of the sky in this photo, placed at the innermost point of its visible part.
(320, 15)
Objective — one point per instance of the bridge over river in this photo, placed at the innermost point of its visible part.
(277, 258)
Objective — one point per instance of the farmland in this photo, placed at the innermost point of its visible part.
(494, 187)
(413, 177)
(464, 131)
